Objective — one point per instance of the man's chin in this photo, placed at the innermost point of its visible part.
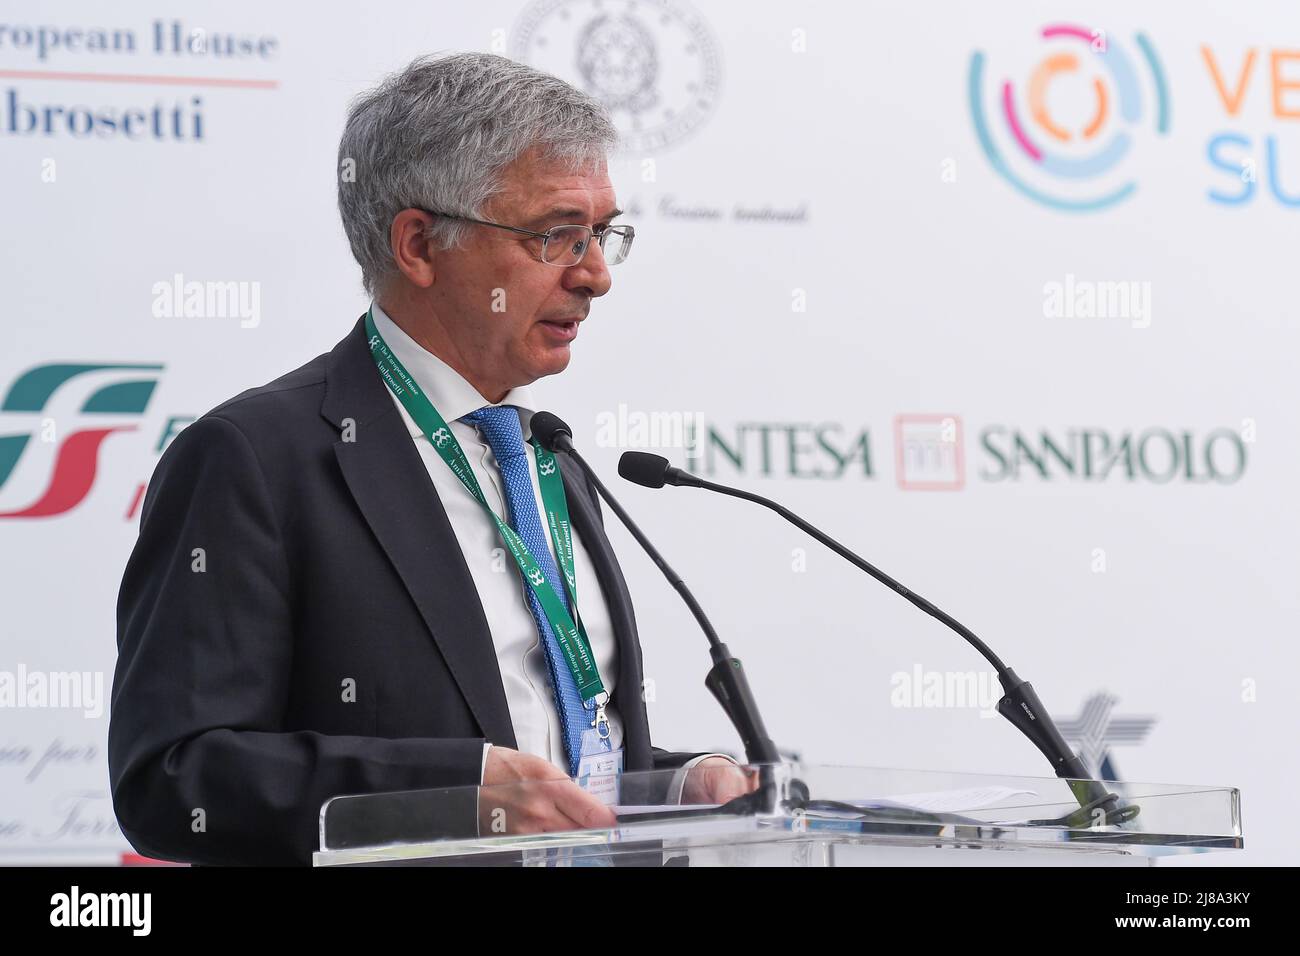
(552, 362)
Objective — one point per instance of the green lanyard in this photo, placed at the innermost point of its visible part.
(572, 636)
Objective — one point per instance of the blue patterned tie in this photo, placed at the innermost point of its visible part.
(499, 424)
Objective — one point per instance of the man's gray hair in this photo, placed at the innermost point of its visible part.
(438, 135)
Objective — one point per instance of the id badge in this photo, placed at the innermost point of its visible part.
(599, 768)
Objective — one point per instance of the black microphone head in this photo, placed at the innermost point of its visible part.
(551, 431)
(643, 468)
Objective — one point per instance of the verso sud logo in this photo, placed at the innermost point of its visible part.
(1062, 135)
(37, 401)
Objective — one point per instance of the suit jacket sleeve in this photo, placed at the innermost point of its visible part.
(202, 767)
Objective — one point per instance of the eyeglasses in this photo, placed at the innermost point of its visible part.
(565, 246)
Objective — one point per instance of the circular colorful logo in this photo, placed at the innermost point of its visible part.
(1068, 128)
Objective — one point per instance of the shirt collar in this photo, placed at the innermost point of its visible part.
(450, 393)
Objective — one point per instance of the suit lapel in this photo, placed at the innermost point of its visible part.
(389, 482)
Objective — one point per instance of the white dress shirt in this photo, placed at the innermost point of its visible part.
(496, 577)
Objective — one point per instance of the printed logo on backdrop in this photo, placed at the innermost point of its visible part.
(1097, 729)
(89, 81)
(55, 419)
(1063, 132)
(654, 64)
(70, 460)
(930, 452)
(819, 450)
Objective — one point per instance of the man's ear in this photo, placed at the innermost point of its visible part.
(411, 251)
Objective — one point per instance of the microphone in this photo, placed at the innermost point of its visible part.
(1020, 704)
(653, 471)
(726, 680)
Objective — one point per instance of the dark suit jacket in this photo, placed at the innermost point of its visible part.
(323, 560)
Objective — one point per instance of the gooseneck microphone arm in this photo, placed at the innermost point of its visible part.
(871, 569)
(1020, 704)
(675, 579)
(726, 680)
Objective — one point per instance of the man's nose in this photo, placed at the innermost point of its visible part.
(591, 273)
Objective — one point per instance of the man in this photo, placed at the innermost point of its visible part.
(343, 581)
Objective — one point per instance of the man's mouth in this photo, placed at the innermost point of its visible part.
(565, 330)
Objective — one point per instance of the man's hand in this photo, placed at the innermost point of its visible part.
(717, 780)
(526, 794)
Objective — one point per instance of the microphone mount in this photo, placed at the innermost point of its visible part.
(726, 679)
(1019, 704)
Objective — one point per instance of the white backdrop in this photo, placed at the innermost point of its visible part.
(825, 251)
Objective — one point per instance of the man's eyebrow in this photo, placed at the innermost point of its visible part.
(572, 215)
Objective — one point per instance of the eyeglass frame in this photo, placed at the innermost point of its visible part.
(546, 236)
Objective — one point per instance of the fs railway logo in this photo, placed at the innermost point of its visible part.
(1062, 135)
(1097, 729)
(38, 401)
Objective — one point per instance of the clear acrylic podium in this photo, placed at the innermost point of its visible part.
(811, 816)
